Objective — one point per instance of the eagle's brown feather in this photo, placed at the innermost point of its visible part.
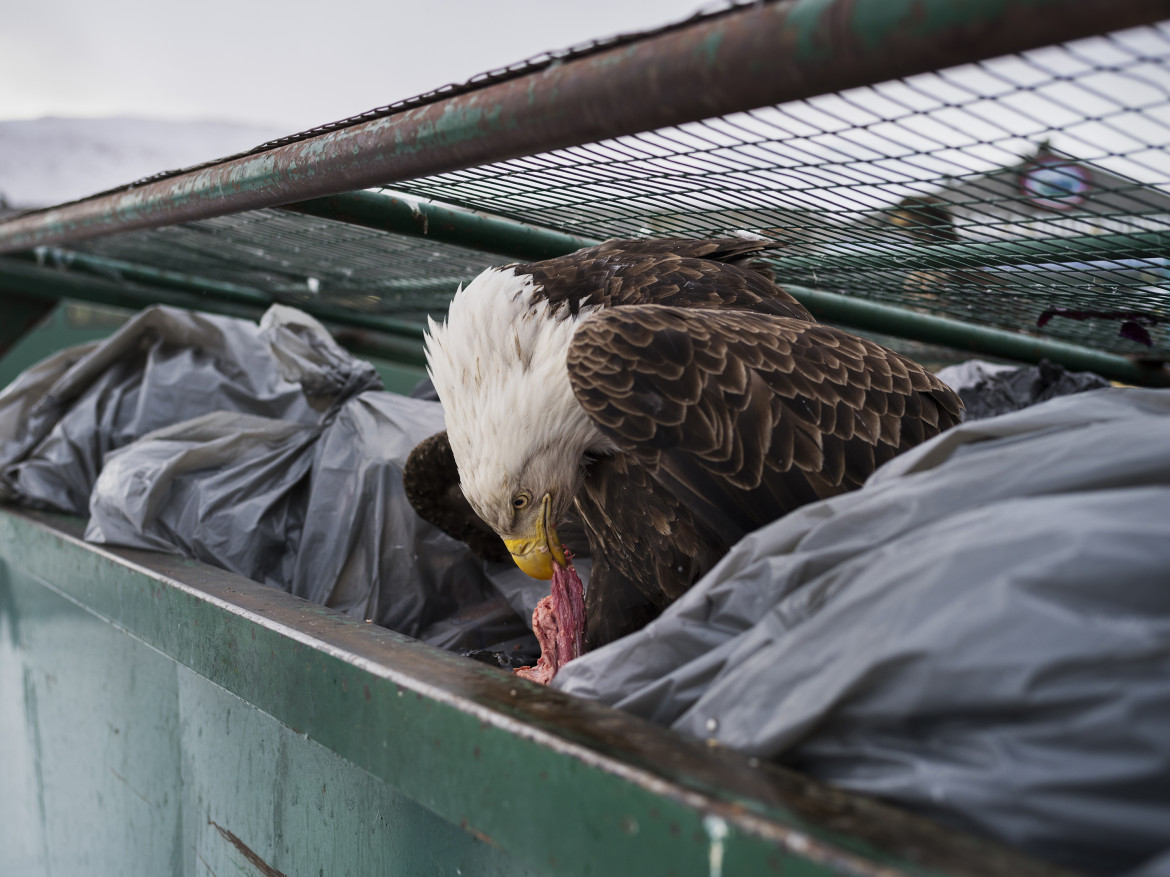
(681, 273)
(728, 404)
(774, 413)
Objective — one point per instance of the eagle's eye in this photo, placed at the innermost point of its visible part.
(520, 501)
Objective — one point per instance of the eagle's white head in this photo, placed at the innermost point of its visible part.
(517, 432)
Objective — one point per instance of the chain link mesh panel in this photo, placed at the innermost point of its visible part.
(1029, 193)
(299, 260)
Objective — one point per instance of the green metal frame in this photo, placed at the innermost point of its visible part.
(451, 225)
(876, 317)
(400, 341)
(713, 66)
(377, 336)
(746, 58)
(23, 313)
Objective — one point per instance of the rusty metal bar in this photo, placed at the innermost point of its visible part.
(756, 56)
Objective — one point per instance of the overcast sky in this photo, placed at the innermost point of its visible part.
(292, 64)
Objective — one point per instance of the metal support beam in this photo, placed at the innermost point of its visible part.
(116, 269)
(401, 342)
(18, 277)
(450, 225)
(875, 317)
(749, 57)
(901, 255)
(395, 340)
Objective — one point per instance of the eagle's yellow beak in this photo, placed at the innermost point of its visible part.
(535, 552)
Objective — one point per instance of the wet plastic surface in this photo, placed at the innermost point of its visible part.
(265, 450)
(980, 633)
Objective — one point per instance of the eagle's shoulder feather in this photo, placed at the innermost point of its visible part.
(678, 273)
(750, 415)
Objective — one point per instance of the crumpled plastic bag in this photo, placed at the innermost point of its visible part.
(988, 389)
(366, 552)
(164, 366)
(981, 633)
(225, 488)
(319, 511)
(261, 449)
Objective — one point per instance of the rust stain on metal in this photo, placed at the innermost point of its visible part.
(253, 859)
(205, 865)
(131, 787)
(478, 835)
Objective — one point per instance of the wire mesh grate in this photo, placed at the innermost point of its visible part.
(915, 192)
(299, 260)
(1029, 192)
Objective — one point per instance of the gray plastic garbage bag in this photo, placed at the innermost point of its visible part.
(988, 389)
(365, 551)
(316, 510)
(259, 449)
(981, 633)
(1158, 866)
(225, 488)
(162, 367)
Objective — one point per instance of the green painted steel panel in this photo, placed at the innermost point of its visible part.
(70, 324)
(182, 717)
(139, 766)
(21, 314)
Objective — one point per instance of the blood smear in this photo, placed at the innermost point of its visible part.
(559, 624)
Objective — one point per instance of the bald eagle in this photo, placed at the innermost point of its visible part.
(663, 397)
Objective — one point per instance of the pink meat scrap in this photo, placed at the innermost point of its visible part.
(559, 624)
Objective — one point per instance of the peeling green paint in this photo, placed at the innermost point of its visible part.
(802, 21)
(708, 49)
(875, 25)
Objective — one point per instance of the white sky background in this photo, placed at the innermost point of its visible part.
(292, 64)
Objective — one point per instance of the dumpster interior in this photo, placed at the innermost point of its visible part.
(978, 635)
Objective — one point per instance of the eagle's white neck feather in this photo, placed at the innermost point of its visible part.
(498, 365)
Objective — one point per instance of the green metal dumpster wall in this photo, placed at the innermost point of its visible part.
(159, 716)
(117, 760)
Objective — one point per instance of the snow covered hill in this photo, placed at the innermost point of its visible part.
(48, 161)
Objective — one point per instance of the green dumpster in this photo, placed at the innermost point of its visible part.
(161, 716)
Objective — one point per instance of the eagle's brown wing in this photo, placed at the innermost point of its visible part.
(746, 416)
(644, 566)
(431, 480)
(678, 273)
